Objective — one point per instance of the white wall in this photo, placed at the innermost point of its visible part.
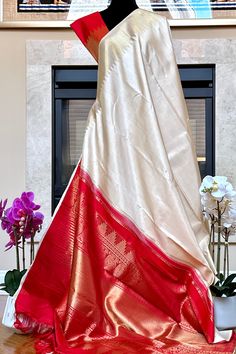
(13, 118)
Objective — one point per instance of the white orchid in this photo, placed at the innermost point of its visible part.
(209, 206)
(207, 185)
(218, 200)
(218, 196)
(218, 187)
(229, 219)
(208, 202)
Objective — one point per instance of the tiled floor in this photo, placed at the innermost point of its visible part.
(11, 343)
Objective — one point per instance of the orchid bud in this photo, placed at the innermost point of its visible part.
(215, 186)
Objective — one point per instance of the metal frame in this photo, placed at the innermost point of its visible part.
(80, 78)
(206, 75)
(66, 24)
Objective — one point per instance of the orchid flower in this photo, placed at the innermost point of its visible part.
(218, 199)
(21, 220)
(217, 187)
(2, 207)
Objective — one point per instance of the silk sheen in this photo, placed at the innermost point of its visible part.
(144, 121)
(124, 266)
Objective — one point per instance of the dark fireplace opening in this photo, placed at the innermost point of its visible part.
(74, 91)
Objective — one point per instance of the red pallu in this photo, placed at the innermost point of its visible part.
(99, 286)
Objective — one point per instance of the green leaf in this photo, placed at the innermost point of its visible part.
(4, 289)
(12, 280)
(221, 287)
(229, 279)
(220, 277)
(224, 286)
(231, 290)
(217, 290)
(23, 272)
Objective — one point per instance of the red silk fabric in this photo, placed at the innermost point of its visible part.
(99, 286)
(90, 29)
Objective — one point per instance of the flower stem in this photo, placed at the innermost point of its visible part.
(32, 248)
(17, 250)
(212, 241)
(23, 251)
(227, 260)
(226, 255)
(219, 238)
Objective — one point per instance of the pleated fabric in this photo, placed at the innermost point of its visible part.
(124, 266)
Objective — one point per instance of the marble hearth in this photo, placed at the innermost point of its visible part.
(41, 55)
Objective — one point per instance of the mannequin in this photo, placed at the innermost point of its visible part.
(115, 13)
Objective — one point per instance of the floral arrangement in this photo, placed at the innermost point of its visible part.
(21, 222)
(218, 199)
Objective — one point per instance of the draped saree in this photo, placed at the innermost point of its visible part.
(124, 266)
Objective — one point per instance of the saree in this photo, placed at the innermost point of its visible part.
(124, 266)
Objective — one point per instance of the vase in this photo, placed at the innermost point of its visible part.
(225, 312)
(9, 313)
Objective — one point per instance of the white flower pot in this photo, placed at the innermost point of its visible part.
(225, 312)
(9, 313)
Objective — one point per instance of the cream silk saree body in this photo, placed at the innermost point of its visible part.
(124, 266)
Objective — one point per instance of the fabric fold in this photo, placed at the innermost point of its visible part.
(124, 266)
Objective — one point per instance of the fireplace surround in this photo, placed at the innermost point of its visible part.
(42, 55)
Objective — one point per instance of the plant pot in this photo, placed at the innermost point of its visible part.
(225, 312)
(9, 313)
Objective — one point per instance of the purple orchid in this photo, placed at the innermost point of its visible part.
(12, 241)
(2, 206)
(22, 219)
(24, 206)
(21, 222)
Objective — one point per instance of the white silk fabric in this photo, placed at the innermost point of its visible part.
(138, 148)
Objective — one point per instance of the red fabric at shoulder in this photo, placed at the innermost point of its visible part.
(87, 24)
(90, 29)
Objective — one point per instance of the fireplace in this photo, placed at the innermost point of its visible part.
(74, 91)
(42, 56)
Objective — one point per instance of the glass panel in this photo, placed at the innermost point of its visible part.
(176, 9)
(197, 115)
(74, 123)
